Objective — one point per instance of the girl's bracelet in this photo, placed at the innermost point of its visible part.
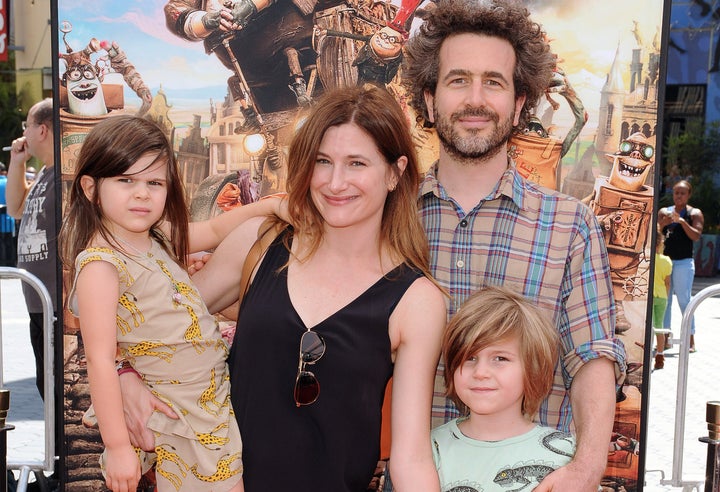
(124, 366)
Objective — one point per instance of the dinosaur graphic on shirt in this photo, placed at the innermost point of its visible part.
(523, 475)
(558, 436)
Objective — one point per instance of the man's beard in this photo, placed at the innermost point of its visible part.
(474, 146)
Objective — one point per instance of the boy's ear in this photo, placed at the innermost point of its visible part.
(88, 186)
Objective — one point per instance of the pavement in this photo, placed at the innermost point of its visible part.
(17, 373)
(703, 368)
(26, 412)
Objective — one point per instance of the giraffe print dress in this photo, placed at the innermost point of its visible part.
(165, 330)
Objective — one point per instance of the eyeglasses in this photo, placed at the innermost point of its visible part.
(392, 39)
(25, 125)
(78, 72)
(307, 387)
(646, 151)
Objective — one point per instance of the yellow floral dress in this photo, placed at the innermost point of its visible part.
(165, 330)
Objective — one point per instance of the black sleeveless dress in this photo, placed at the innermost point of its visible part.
(332, 445)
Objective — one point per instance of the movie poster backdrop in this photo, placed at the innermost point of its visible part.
(229, 104)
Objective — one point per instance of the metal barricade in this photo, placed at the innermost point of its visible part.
(676, 479)
(48, 463)
(712, 463)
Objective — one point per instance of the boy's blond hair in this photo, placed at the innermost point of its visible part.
(495, 314)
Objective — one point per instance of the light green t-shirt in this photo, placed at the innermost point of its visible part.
(517, 463)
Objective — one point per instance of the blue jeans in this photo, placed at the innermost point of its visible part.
(681, 282)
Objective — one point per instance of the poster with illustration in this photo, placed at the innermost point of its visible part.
(229, 103)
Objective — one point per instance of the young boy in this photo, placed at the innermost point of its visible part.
(500, 351)
(661, 287)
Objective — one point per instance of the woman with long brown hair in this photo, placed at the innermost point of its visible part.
(342, 301)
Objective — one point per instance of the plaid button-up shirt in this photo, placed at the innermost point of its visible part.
(538, 242)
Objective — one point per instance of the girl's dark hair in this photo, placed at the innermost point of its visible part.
(110, 149)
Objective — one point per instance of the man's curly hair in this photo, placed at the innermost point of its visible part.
(504, 19)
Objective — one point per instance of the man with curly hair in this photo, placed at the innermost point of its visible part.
(476, 69)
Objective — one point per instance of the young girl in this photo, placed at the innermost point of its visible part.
(500, 352)
(124, 237)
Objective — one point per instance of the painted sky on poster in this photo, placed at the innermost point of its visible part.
(186, 73)
(584, 34)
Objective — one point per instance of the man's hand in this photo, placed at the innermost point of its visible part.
(139, 404)
(242, 12)
(219, 20)
(572, 477)
(19, 151)
(211, 20)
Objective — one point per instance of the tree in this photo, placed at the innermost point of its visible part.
(694, 154)
(10, 115)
